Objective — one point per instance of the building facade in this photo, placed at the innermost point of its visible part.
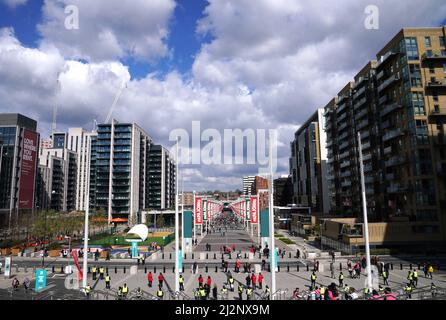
(398, 105)
(308, 165)
(19, 144)
(118, 173)
(283, 191)
(161, 182)
(247, 184)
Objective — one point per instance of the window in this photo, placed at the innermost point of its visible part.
(427, 41)
(412, 48)
(429, 53)
(431, 68)
(441, 41)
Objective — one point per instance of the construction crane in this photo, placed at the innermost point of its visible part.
(118, 95)
(54, 123)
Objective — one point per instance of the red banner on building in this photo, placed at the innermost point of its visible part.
(28, 170)
(254, 207)
(198, 210)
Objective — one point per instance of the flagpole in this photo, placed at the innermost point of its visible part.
(177, 227)
(271, 219)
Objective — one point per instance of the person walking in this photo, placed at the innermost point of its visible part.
(267, 293)
(150, 279)
(125, 291)
(160, 280)
(254, 280)
(248, 293)
(209, 281)
(260, 280)
(160, 294)
(341, 279)
(181, 281)
(102, 272)
(385, 275)
(430, 271)
(215, 292)
(408, 290)
(231, 283)
(93, 271)
(200, 281)
(410, 277)
(240, 291)
(332, 270)
(248, 280)
(313, 280)
(88, 291)
(107, 282)
(415, 278)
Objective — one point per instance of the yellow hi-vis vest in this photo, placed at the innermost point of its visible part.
(93, 269)
(231, 280)
(322, 291)
(107, 279)
(202, 293)
(313, 277)
(181, 280)
(160, 293)
(125, 289)
(341, 277)
(249, 292)
(415, 274)
(240, 289)
(87, 289)
(101, 270)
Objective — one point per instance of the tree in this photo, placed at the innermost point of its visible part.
(160, 221)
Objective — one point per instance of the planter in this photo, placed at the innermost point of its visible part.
(6, 251)
(54, 253)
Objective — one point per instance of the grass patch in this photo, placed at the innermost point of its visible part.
(120, 241)
(287, 241)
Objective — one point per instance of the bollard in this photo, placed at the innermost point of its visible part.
(145, 269)
(173, 269)
(401, 266)
(207, 256)
(88, 271)
(164, 269)
(410, 266)
(391, 266)
(308, 267)
(185, 256)
(163, 256)
(278, 268)
(124, 269)
(269, 267)
(222, 256)
(193, 256)
(52, 269)
(154, 269)
(206, 268)
(289, 255)
(230, 256)
(106, 269)
(215, 256)
(245, 255)
(216, 269)
(297, 269)
(116, 270)
(61, 269)
(340, 266)
(419, 267)
(288, 268)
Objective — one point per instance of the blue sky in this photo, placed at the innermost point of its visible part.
(272, 47)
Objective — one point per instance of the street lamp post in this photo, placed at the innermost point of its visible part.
(177, 228)
(364, 208)
(87, 213)
(271, 219)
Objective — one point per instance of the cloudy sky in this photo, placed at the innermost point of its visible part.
(248, 64)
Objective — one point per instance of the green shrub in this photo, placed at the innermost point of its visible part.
(287, 241)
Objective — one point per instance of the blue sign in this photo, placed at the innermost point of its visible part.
(180, 261)
(134, 249)
(40, 279)
(276, 257)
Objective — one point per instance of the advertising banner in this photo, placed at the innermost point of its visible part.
(7, 267)
(134, 249)
(28, 170)
(180, 261)
(248, 212)
(188, 222)
(198, 211)
(40, 279)
(76, 262)
(205, 209)
(254, 207)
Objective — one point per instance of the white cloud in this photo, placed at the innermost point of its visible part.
(268, 65)
(109, 29)
(14, 3)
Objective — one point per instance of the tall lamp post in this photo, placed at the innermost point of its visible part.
(177, 228)
(271, 217)
(87, 213)
(364, 209)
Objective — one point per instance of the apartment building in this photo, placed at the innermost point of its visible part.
(398, 105)
(161, 182)
(308, 165)
(19, 144)
(247, 184)
(119, 165)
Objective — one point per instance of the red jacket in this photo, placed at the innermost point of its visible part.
(260, 278)
(209, 282)
(253, 278)
(200, 280)
(160, 277)
(149, 277)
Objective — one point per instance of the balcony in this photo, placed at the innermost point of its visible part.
(436, 85)
(344, 145)
(369, 179)
(382, 100)
(391, 80)
(367, 157)
(360, 103)
(359, 93)
(387, 57)
(344, 155)
(395, 161)
(341, 118)
(438, 113)
(362, 124)
(346, 184)
(346, 174)
(393, 134)
(438, 56)
(345, 164)
(390, 176)
(380, 75)
(390, 108)
(366, 146)
(368, 168)
(341, 107)
(396, 188)
(387, 150)
(343, 126)
(361, 114)
(343, 136)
